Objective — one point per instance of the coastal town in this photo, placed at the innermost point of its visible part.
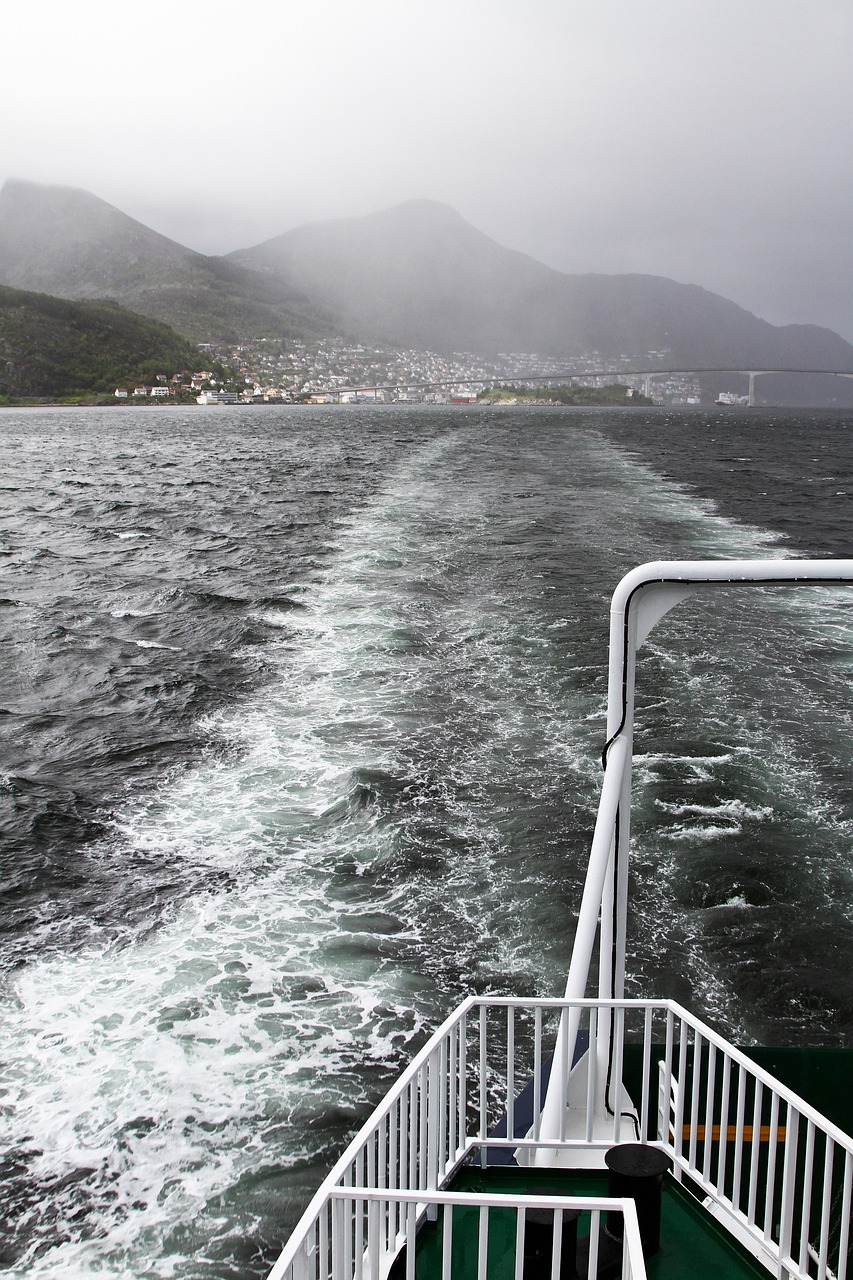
(269, 371)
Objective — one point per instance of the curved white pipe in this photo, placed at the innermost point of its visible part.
(640, 600)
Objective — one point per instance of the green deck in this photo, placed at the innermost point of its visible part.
(692, 1245)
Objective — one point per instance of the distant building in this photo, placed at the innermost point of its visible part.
(121, 393)
(217, 397)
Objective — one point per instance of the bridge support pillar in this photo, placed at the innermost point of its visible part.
(752, 390)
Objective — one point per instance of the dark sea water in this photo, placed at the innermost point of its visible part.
(302, 712)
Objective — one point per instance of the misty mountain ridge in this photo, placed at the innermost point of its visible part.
(417, 275)
(420, 275)
(66, 242)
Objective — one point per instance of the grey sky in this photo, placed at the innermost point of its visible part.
(709, 142)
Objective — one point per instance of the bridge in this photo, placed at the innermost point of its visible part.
(569, 375)
(752, 374)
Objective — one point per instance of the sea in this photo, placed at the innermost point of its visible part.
(302, 713)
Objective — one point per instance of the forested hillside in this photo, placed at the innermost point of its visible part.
(50, 347)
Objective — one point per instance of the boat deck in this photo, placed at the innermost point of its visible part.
(692, 1245)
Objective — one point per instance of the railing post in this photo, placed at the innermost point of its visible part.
(483, 1127)
(789, 1179)
(433, 1109)
(463, 1081)
(373, 1240)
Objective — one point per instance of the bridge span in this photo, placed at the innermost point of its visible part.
(648, 374)
(569, 375)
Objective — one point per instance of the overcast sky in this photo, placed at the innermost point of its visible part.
(705, 141)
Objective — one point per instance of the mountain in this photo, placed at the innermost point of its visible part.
(417, 275)
(50, 347)
(420, 275)
(64, 241)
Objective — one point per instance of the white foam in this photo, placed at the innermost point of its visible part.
(703, 831)
(735, 809)
(172, 1066)
(125, 1062)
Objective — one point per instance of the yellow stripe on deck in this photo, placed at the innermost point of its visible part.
(764, 1133)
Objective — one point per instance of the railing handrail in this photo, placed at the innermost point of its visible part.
(494, 1199)
(511, 1201)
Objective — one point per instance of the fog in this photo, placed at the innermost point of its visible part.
(705, 142)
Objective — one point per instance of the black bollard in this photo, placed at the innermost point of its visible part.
(539, 1240)
(636, 1173)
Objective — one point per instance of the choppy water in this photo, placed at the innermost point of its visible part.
(302, 711)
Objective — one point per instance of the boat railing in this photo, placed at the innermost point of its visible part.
(776, 1174)
(365, 1232)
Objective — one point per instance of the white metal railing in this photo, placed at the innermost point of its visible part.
(362, 1229)
(772, 1170)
